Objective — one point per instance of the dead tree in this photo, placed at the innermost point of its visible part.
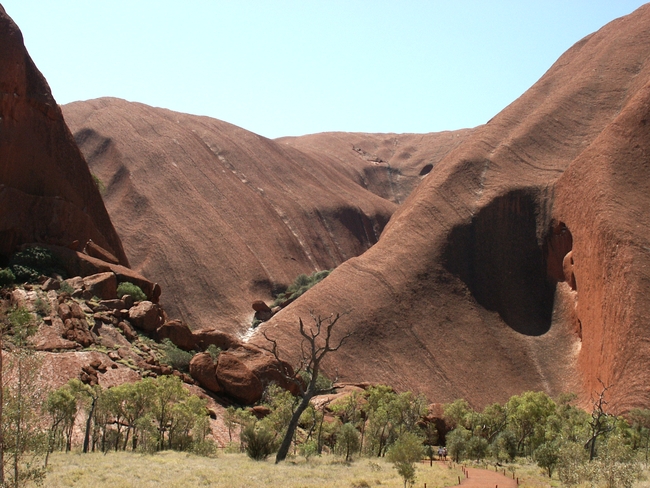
(600, 423)
(315, 345)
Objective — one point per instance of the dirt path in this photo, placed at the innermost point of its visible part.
(484, 478)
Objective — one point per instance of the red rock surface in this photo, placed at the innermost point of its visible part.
(221, 217)
(47, 193)
(460, 296)
(389, 165)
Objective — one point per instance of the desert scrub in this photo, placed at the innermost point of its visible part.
(174, 356)
(6, 277)
(169, 469)
(128, 288)
(29, 264)
(300, 285)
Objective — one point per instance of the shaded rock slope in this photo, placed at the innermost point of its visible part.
(47, 193)
(221, 217)
(521, 262)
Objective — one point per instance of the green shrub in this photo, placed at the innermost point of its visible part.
(128, 288)
(66, 288)
(214, 352)
(33, 262)
(175, 357)
(258, 440)
(6, 277)
(300, 285)
(42, 307)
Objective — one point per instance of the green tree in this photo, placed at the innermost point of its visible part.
(527, 417)
(640, 420)
(22, 435)
(167, 391)
(458, 443)
(404, 453)
(347, 441)
(547, 456)
(61, 405)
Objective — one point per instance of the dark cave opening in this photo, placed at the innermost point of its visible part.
(500, 258)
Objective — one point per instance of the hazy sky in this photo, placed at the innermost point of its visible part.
(296, 67)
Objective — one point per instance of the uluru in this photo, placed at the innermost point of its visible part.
(474, 263)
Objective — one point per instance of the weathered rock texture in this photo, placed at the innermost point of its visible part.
(47, 194)
(389, 165)
(522, 261)
(229, 216)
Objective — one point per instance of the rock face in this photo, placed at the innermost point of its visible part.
(521, 261)
(47, 194)
(203, 191)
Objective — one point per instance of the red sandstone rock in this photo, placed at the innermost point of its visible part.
(468, 266)
(102, 285)
(47, 194)
(220, 339)
(260, 306)
(315, 213)
(146, 316)
(237, 380)
(203, 371)
(179, 333)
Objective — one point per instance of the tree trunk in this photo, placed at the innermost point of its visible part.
(88, 423)
(288, 438)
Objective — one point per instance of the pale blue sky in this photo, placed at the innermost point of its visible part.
(296, 67)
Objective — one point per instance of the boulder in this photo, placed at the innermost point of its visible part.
(260, 411)
(103, 285)
(203, 371)
(76, 330)
(266, 367)
(99, 252)
(76, 311)
(260, 306)
(51, 284)
(115, 304)
(76, 283)
(146, 316)
(237, 380)
(179, 333)
(215, 337)
(64, 311)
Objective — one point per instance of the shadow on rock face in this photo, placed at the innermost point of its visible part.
(502, 261)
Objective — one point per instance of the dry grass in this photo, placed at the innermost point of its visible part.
(175, 470)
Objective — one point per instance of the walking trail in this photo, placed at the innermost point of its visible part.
(484, 478)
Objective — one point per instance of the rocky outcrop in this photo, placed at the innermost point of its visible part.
(47, 194)
(315, 216)
(520, 259)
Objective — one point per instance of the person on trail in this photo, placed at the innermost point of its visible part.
(444, 453)
(440, 453)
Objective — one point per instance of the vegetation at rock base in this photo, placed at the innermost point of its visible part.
(176, 357)
(300, 285)
(28, 265)
(128, 288)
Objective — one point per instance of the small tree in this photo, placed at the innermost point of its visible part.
(316, 344)
(404, 453)
(547, 456)
(347, 441)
